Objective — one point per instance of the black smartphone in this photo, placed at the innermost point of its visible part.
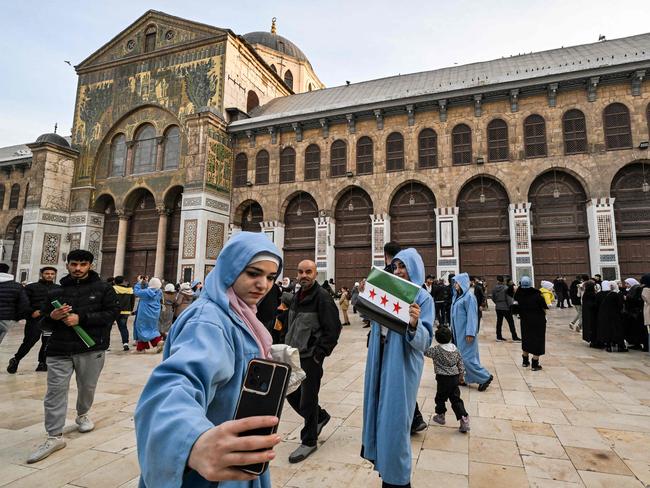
(262, 393)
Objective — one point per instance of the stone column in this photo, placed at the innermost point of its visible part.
(120, 247)
(380, 236)
(128, 166)
(161, 242)
(447, 251)
(603, 250)
(521, 250)
(325, 258)
(159, 154)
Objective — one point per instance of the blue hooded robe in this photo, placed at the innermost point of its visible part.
(146, 321)
(391, 384)
(196, 386)
(464, 322)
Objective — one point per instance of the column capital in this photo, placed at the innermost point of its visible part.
(123, 214)
(162, 210)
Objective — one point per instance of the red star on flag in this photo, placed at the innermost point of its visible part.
(396, 307)
(384, 300)
(372, 294)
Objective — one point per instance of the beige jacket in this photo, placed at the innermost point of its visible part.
(645, 294)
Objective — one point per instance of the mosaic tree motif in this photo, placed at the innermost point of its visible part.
(96, 100)
(200, 84)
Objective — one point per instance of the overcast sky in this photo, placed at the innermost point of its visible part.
(344, 40)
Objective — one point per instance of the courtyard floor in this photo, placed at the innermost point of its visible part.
(584, 420)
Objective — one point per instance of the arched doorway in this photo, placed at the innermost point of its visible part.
(413, 221)
(353, 255)
(632, 215)
(173, 205)
(299, 232)
(106, 205)
(484, 229)
(560, 235)
(251, 216)
(140, 257)
(14, 231)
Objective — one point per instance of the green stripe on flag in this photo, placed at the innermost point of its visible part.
(400, 288)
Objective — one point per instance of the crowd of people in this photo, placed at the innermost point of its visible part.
(208, 334)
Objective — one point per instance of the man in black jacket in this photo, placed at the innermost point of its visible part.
(313, 328)
(90, 303)
(37, 295)
(13, 301)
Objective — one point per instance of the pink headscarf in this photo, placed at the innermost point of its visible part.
(247, 314)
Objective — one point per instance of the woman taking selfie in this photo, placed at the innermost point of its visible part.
(183, 420)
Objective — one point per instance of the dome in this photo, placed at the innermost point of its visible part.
(275, 42)
(52, 138)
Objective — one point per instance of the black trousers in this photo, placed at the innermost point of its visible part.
(124, 330)
(305, 401)
(505, 314)
(32, 334)
(447, 389)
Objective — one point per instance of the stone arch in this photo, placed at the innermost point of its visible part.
(632, 216)
(252, 101)
(134, 195)
(142, 233)
(353, 252)
(14, 232)
(248, 215)
(413, 220)
(559, 232)
(484, 228)
(528, 185)
(300, 212)
(105, 204)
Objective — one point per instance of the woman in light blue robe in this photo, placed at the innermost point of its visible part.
(196, 386)
(146, 321)
(391, 384)
(464, 322)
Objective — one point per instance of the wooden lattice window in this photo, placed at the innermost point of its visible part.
(240, 171)
(364, 156)
(427, 149)
(287, 165)
(14, 196)
(497, 134)
(338, 158)
(262, 168)
(461, 144)
(395, 152)
(118, 155)
(575, 132)
(534, 136)
(312, 162)
(618, 134)
(172, 151)
(288, 79)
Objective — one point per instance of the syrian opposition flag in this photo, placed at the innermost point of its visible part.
(386, 299)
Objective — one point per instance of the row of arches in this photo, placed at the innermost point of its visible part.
(616, 123)
(560, 235)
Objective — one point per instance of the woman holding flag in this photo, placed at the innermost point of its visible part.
(393, 372)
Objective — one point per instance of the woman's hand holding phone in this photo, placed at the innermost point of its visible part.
(218, 451)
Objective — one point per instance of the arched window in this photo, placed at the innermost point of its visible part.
(274, 69)
(2, 196)
(309, 87)
(288, 78)
(312, 162)
(262, 168)
(144, 157)
(497, 133)
(575, 132)
(364, 156)
(287, 165)
(338, 158)
(252, 101)
(461, 144)
(240, 171)
(534, 136)
(118, 155)
(14, 196)
(427, 149)
(150, 39)
(172, 148)
(618, 134)
(395, 152)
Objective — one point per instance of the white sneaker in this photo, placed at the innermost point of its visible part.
(52, 444)
(84, 423)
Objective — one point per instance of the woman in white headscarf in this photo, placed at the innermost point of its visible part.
(610, 331)
(635, 331)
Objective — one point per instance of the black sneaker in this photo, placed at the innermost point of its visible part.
(418, 426)
(500, 339)
(322, 423)
(41, 367)
(13, 366)
(484, 386)
(516, 339)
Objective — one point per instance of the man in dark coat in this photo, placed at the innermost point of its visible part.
(313, 327)
(37, 295)
(14, 304)
(90, 303)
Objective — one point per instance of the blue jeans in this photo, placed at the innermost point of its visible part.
(124, 331)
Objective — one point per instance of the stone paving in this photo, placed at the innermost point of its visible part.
(584, 420)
